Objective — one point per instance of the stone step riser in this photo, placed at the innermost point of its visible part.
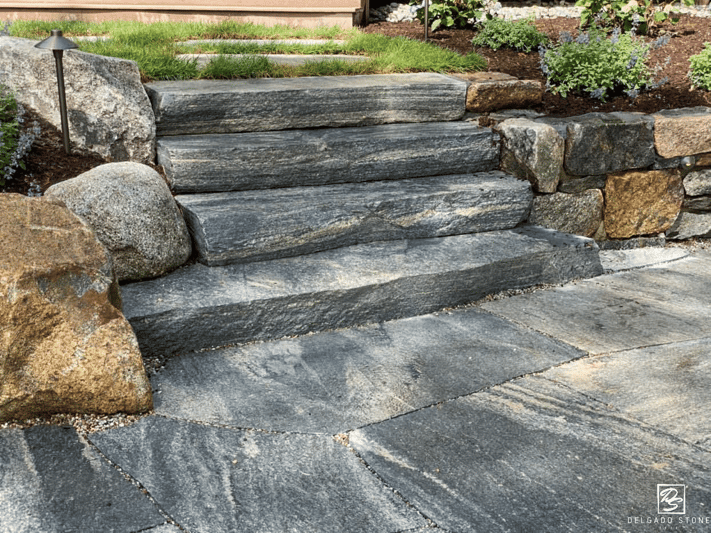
(200, 307)
(248, 161)
(238, 227)
(208, 106)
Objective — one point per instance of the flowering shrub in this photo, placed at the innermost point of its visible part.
(450, 13)
(628, 15)
(597, 65)
(520, 35)
(15, 142)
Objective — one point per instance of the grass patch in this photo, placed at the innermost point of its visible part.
(154, 48)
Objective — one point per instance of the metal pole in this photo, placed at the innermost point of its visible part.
(427, 17)
(62, 99)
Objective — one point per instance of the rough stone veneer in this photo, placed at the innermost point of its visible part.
(653, 171)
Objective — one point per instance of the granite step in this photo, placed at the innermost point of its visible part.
(245, 226)
(199, 307)
(219, 106)
(265, 160)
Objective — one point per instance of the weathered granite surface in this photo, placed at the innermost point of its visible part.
(689, 225)
(198, 306)
(580, 214)
(213, 106)
(245, 161)
(132, 212)
(238, 227)
(65, 347)
(533, 151)
(599, 143)
(642, 202)
(680, 132)
(108, 110)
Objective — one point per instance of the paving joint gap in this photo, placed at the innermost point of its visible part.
(169, 519)
(430, 523)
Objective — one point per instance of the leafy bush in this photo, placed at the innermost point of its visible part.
(450, 13)
(630, 15)
(498, 33)
(598, 65)
(700, 71)
(14, 142)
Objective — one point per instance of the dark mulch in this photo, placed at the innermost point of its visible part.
(48, 164)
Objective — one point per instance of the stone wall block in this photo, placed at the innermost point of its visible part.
(690, 225)
(109, 111)
(532, 151)
(600, 143)
(681, 132)
(489, 91)
(642, 202)
(698, 182)
(65, 347)
(579, 214)
(134, 215)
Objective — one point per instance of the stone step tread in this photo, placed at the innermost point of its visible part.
(230, 106)
(248, 226)
(292, 60)
(199, 307)
(263, 160)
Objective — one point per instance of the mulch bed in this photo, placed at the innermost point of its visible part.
(48, 164)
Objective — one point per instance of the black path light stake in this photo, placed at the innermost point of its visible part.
(58, 45)
(427, 16)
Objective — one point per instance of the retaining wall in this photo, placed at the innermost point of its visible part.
(614, 176)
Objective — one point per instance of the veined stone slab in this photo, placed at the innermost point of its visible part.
(533, 456)
(213, 106)
(664, 386)
(611, 313)
(238, 227)
(679, 132)
(335, 381)
(52, 481)
(197, 306)
(220, 480)
(600, 143)
(244, 161)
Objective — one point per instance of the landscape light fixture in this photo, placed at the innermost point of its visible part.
(58, 45)
(427, 16)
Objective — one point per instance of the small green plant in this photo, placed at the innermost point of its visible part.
(520, 35)
(450, 13)
(597, 65)
(700, 68)
(15, 143)
(638, 16)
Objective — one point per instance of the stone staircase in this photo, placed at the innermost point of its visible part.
(324, 203)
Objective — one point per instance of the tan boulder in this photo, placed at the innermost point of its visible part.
(65, 347)
(682, 132)
(642, 202)
(490, 91)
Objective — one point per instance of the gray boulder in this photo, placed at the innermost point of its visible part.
(108, 108)
(698, 182)
(133, 213)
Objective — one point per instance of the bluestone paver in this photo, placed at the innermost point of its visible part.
(533, 456)
(53, 481)
(215, 480)
(342, 380)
